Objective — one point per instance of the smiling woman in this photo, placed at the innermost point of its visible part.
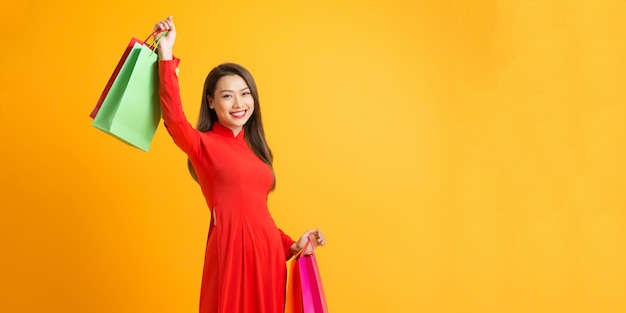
(228, 90)
(233, 102)
(244, 269)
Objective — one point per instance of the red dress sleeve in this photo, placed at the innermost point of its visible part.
(287, 243)
(185, 136)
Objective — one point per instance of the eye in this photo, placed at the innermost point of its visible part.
(226, 96)
(246, 93)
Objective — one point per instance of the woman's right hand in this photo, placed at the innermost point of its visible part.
(166, 44)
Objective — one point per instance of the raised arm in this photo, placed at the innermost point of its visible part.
(185, 136)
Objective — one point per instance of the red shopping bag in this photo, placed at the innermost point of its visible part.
(132, 42)
(305, 292)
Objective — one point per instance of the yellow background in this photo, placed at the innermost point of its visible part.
(461, 156)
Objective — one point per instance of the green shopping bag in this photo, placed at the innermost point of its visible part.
(131, 110)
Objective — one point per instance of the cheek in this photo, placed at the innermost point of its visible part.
(221, 111)
(222, 107)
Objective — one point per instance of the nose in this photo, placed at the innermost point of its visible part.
(237, 101)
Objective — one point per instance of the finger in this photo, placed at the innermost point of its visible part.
(308, 250)
(159, 26)
(170, 23)
(319, 234)
(321, 240)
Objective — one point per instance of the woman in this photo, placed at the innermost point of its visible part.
(244, 269)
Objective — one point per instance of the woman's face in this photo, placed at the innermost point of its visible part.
(232, 101)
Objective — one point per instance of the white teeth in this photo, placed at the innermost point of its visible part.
(238, 114)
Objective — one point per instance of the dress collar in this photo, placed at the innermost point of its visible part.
(227, 132)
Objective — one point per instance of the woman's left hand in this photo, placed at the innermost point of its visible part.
(317, 239)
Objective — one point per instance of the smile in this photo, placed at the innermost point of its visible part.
(238, 114)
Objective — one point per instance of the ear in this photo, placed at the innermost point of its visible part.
(210, 101)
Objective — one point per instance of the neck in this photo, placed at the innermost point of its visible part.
(235, 129)
(236, 132)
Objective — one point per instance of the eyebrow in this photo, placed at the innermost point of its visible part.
(228, 90)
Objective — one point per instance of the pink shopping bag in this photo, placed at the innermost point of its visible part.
(305, 292)
(313, 296)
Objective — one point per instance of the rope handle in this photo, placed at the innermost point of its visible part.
(308, 243)
(156, 37)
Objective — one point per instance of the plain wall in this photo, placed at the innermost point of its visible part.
(461, 156)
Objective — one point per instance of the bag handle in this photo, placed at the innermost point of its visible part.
(301, 252)
(156, 35)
